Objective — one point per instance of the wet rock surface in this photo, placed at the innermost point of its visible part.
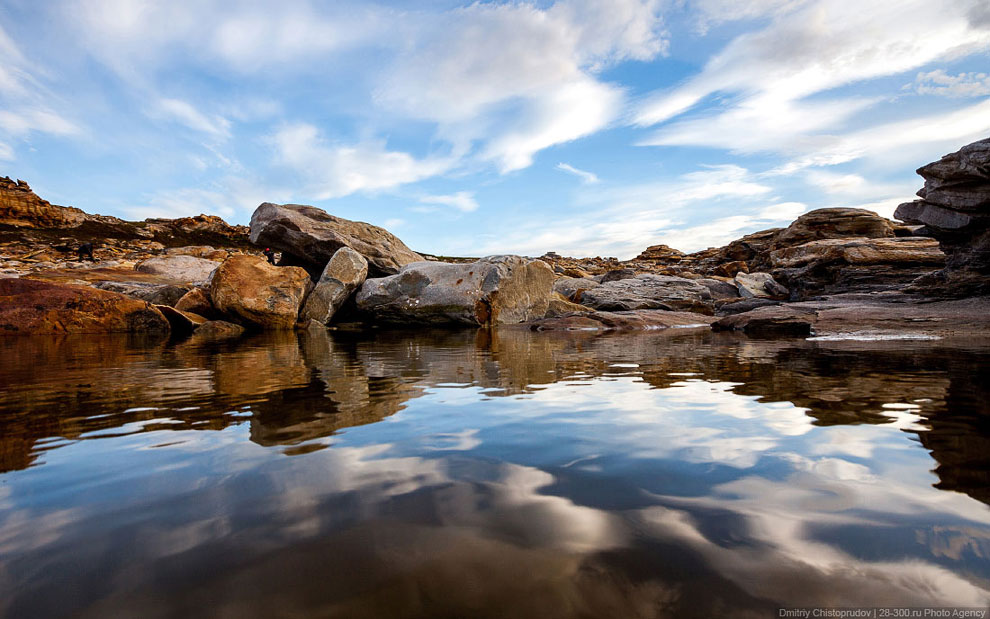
(31, 307)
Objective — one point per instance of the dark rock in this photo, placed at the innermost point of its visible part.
(955, 209)
(728, 307)
(719, 289)
(156, 294)
(769, 321)
(217, 330)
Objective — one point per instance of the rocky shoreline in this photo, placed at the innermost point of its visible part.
(836, 272)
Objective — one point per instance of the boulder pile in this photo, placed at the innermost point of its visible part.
(333, 270)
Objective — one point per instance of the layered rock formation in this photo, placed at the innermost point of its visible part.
(312, 236)
(955, 209)
(493, 290)
(21, 207)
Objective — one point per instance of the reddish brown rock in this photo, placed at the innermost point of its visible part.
(259, 294)
(19, 206)
(32, 307)
(197, 301)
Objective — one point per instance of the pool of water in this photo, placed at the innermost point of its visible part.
(475, 474)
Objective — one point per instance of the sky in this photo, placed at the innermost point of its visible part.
(584, 127)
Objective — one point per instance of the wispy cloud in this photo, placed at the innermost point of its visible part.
(185, 114)
(335, 170)
(462, 200)
(584, 175)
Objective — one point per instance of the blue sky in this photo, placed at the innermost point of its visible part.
(584, 127)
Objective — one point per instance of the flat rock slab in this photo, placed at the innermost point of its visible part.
(179, 269)
(647, 291)
(32, 307)
(635, 320)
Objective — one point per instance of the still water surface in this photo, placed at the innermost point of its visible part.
(515, 474)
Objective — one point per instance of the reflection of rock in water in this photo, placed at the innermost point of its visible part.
(959, 438)
(303, 387)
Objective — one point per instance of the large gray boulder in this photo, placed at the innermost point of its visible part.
(647, 291)
(342, 276)
(179, 269)
(312, 236)
(490, 291)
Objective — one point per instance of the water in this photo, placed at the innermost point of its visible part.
(516, 474)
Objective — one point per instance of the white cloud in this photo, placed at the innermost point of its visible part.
(6, 152)
(332, 170)
(462, 201)
(584, 175)
(538, 90)
(938, 82)
(817, 47)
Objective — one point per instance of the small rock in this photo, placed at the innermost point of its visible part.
(217, 330)
(759, 285)
(617, 274)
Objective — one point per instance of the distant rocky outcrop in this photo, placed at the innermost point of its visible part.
(955, 209)
(494, 290)
(21, 207)
(312, 236)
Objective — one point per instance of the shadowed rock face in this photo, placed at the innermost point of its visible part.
(955, 209)
(493, 290)
(312, 236)
(31, 307)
